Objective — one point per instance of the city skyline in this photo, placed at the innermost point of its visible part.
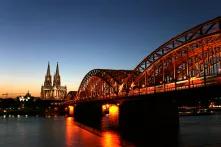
(85, 35)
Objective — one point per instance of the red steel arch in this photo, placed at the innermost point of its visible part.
(192, 58)
(101, 83)
(177, 59)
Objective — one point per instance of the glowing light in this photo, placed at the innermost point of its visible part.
(114, 115)
(113, 109)
(71, 110)
(104, 107)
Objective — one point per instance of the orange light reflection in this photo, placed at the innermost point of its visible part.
(69, 130)
(110, 139)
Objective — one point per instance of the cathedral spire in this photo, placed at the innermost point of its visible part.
(48, 70)
(57, 69)
(48, 77)
(57, 80)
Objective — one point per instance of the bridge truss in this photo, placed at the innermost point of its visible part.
(102, 83)
(189, 60)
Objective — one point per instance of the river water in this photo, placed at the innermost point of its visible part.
(65, 132)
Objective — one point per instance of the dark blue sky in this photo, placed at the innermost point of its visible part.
(86, 34)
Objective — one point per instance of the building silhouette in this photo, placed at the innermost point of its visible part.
(53, 91)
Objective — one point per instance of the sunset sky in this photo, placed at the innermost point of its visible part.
(85, 34)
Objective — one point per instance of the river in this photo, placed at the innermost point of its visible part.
(65, 132)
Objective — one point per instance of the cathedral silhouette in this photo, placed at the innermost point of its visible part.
(53, 91)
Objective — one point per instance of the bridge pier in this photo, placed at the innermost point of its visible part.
(137, 118)
(149, 116)
(89, 113)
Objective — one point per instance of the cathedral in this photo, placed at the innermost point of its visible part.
(53, 91)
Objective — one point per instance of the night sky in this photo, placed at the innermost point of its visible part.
(85, 34)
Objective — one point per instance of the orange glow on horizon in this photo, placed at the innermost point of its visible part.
(17, 89)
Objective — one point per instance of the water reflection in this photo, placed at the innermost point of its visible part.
(110, 139)
(66, 132)
(78, 134)
(69, 130)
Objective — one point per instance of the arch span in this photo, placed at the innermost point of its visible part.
(192, 58)
(193, 53)
(101, 83)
